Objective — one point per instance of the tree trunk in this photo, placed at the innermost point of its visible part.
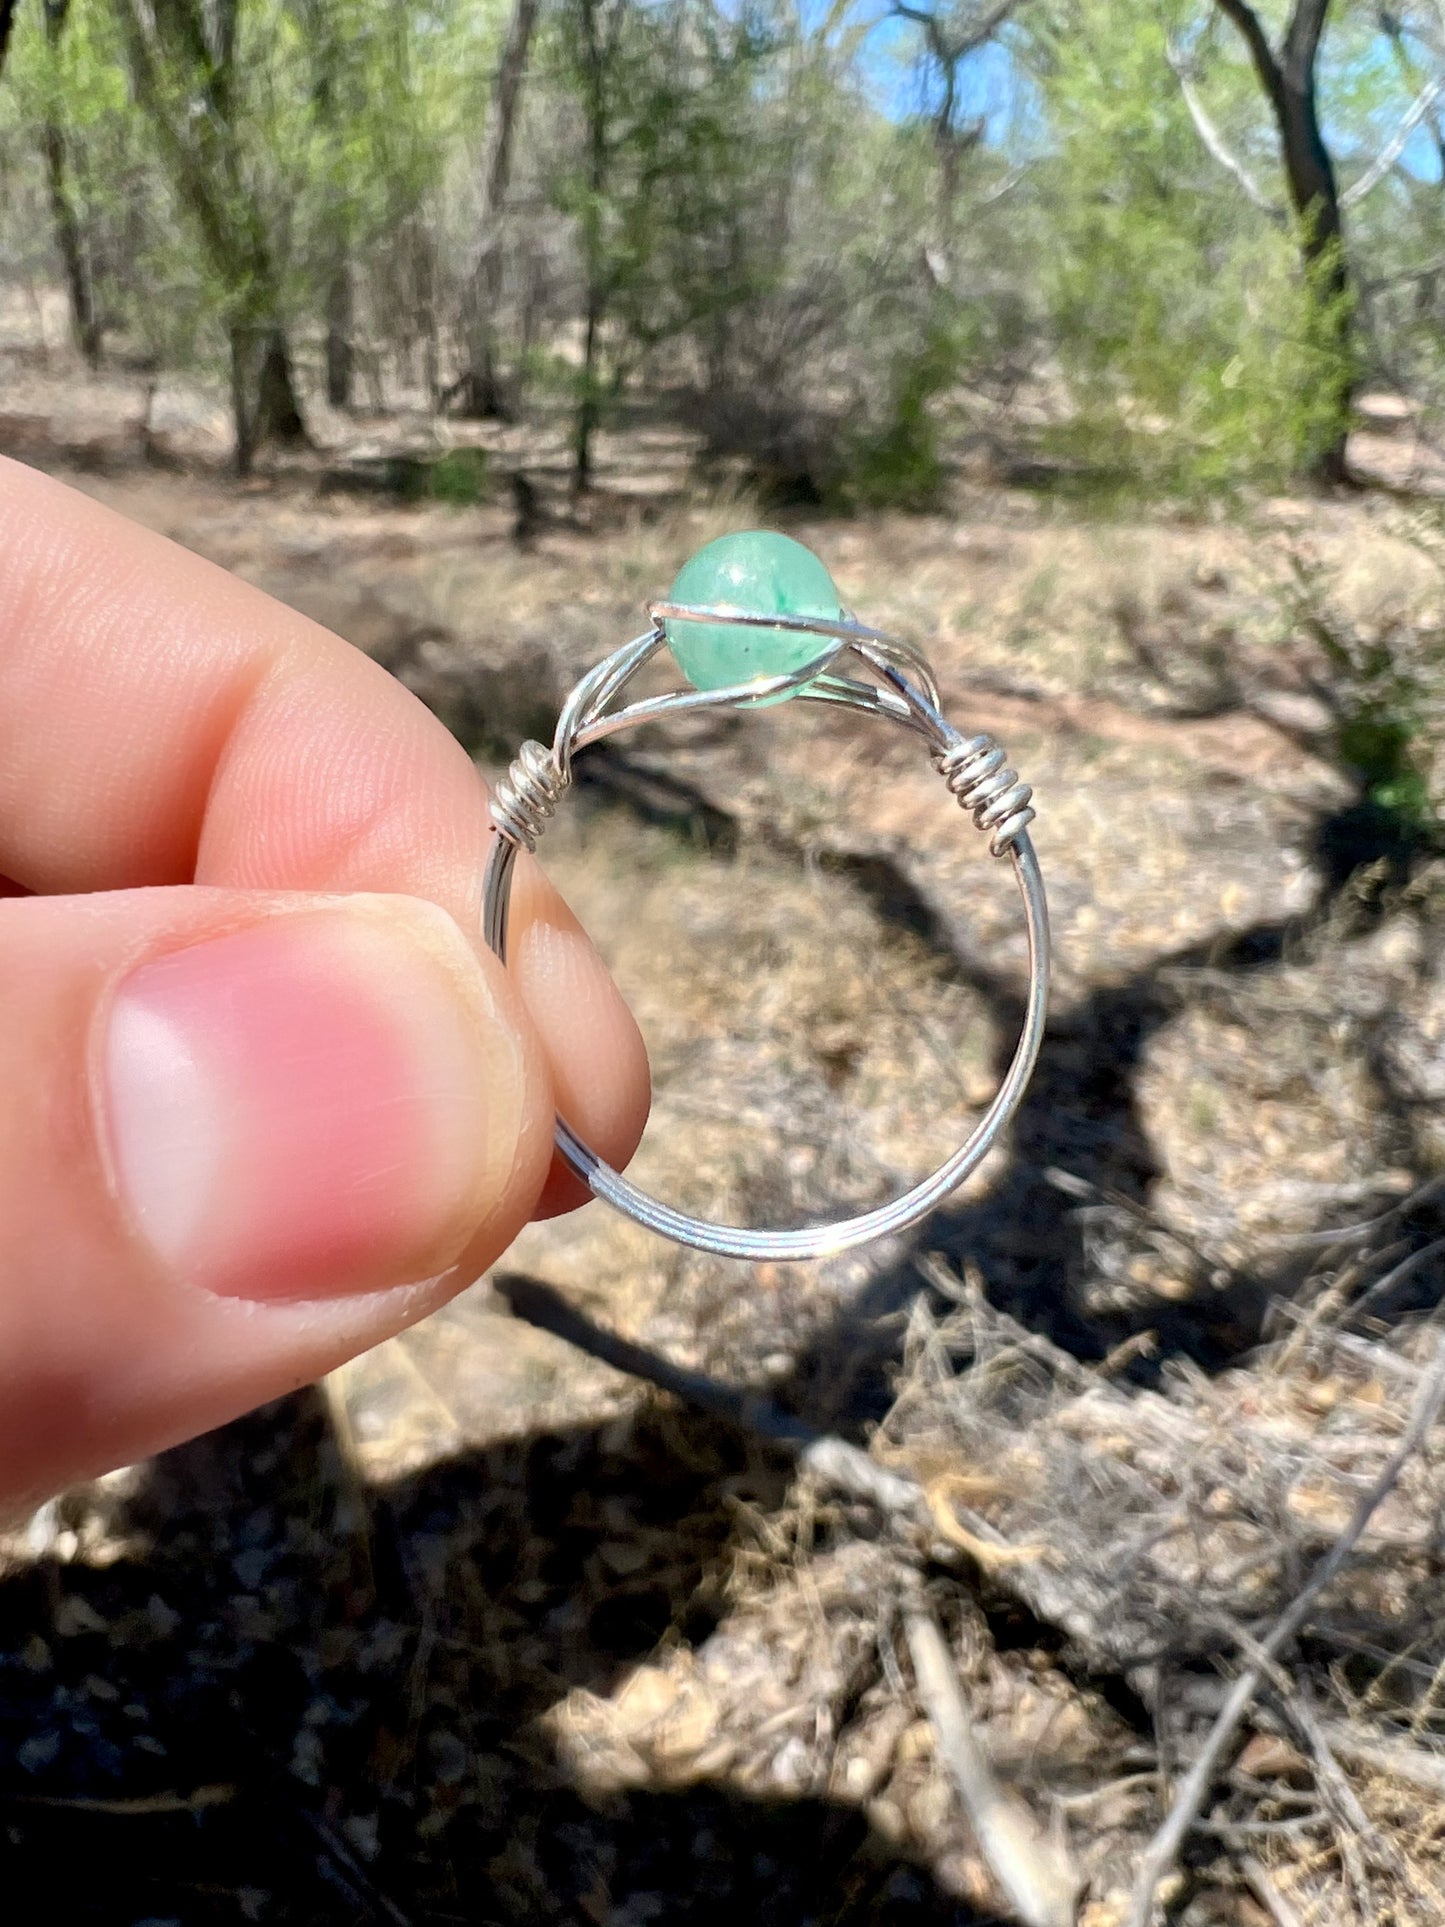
(8, 10)
(340, 322)
(595, 62)
(480, 392)
(952, 34)
(585, 425)
(278, 413)
(1315, 196)
(69, 236)
(243, 407)
(84, 321)
(1288, 80)
(263, 394)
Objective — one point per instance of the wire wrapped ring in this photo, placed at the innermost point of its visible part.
(973, 767)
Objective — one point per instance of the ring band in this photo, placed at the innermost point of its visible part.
(974, 770)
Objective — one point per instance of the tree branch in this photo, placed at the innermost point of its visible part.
(1257, 41)
(1163, 1849)
(970, 36)
(1302, 38)
(1378, 284)
(1034, 1871)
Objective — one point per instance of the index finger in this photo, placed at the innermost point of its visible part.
(163, 722)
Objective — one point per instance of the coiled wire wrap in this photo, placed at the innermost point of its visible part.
(526, 799)
(976, 771)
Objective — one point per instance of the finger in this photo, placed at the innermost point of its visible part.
(163, 722)
(241, 1138)
(590, 1032)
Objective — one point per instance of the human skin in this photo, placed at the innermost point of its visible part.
(265, 1096)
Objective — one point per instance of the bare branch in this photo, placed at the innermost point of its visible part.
(1214, 140)
(968, 36)
(832, 1460)
(1395, 146)
(1417, 1766)
(1254, 36)
(1267, 1894)
(1006, 186)
(1033, 1870)
(1164, 1848)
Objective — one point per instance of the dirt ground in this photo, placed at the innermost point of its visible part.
(376, 1653)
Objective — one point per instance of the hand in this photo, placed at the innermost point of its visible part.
(265, 1096)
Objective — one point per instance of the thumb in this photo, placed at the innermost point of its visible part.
(242, 1137)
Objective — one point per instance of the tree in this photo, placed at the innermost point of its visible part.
(66, 100)
(1287, 74)
(70, 237)
(1288, 77)
(701, 149)
(190, 68)
(593, 40)
(324, 27)
(1177, 320)
(479, 390)
(953, 31)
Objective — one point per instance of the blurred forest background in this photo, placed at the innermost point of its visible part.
(1165, 245)
(1096, 346)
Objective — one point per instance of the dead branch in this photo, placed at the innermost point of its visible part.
(1348, 1819)
(139, 1807)
(1267, 1894)
(832, 1460)
(1397, 1275)
(1417, 1766)
(1164, 1848)
(1032, 1869)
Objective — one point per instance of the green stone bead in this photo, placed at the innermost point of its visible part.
(756, 573)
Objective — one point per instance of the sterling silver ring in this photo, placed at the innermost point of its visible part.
(974, 768)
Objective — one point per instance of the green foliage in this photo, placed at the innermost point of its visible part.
(1383, 684)
(461, 477)
(74, 82)
(226, 159)
(899, 463)
(1197, 356)
(1382, 743)
(735, 207)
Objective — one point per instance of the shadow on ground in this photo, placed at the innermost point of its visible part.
(1082, 1169)
(270, 1693)
(292, 1699)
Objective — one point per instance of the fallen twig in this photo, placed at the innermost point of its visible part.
(1033, 1870)
(1267, 1894)
(137, 1807)
(833, 1460)
(1397, 1275)
(1417, 1766)
(1341, 1803)
(1164, 1848)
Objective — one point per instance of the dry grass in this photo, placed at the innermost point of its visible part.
(491, 1636)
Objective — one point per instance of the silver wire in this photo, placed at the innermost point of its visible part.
(975, 770)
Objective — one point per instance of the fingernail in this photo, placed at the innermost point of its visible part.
(325, 1103)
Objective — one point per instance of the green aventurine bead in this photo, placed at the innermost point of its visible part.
(756, 573)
